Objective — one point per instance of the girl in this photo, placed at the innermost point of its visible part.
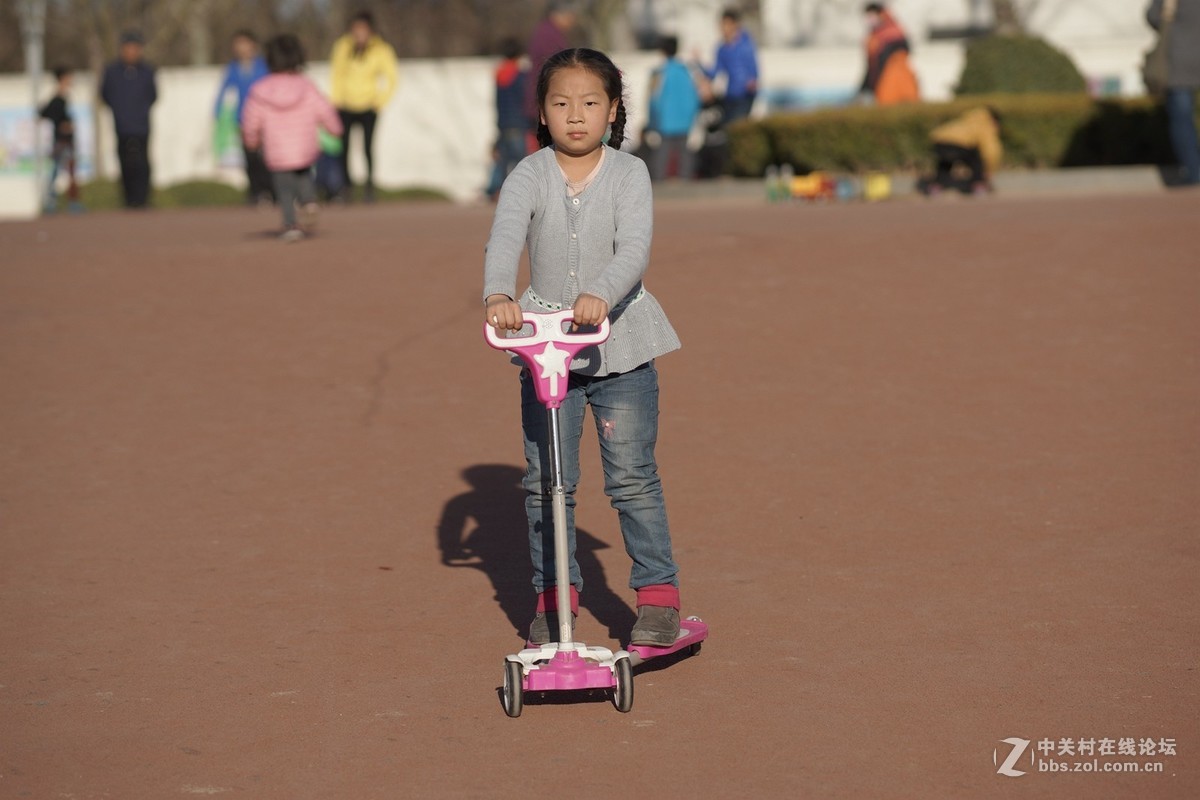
(584, 211)
(283, 114)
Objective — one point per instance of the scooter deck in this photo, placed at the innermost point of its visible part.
(692, 631)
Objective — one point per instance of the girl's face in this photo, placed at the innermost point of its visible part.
(577, 110)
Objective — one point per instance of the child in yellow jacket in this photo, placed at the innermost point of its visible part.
(969, 144)
(363, 73)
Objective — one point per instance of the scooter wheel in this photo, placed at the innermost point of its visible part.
(695, 649)
(513, 691)
(623, 694)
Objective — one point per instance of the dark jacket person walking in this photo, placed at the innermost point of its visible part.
(128, 88)
(1183, 78)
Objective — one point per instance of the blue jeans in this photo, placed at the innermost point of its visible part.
(62, 160)
(510, 149)
(1182, 126)
(738, 107)
(625, 410)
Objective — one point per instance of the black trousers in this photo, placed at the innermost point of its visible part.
(258, 177)
(365, 119)
(949, 155)
(133, 153)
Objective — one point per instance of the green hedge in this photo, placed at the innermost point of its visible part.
(1001, 64)
(1039, 131)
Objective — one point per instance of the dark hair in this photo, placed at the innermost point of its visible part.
(669, 46)
(873, 8)
(731, 14)
(366, 17)
(244, 33)
(510, 47)
(284, 53)
(599, 65)
(61, 71)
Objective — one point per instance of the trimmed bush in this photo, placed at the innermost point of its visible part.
(1017, 65)
(1038, 131)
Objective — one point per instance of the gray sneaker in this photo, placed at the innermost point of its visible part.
(656, 626)
(543, 623)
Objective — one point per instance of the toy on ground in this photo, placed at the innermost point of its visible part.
(814, 186)
(877, 186)
(567, 665)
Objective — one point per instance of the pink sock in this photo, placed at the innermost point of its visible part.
(548, 600)
(660, 594)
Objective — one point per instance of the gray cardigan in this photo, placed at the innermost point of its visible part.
(596, 243)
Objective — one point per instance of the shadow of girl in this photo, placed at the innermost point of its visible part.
(485, 528)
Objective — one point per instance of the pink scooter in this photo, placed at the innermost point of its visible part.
(568, 665)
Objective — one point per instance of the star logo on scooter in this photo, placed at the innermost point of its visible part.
(554, 365)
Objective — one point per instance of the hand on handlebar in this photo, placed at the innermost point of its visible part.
(589, 310)
(503, 313)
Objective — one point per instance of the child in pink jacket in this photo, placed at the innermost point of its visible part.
(282, 115)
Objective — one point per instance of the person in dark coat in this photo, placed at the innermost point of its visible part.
(1183, 79)
(128, 88)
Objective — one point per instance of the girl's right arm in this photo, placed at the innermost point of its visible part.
(502, 257)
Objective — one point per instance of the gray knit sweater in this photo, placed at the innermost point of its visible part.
(596, 243)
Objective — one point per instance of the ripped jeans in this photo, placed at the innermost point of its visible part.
(625, 410)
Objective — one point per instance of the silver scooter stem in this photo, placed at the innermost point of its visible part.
(562, 570)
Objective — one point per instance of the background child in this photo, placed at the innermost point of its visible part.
(967, 150)
(283, 114)
(246, 68)
(62, 155)
(511, 122)
(585, 212)
(674, 104)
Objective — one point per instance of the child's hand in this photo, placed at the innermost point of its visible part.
(589, 310)
(503, 313)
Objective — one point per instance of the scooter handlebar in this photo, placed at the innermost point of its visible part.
(548, 350)
(546, 328)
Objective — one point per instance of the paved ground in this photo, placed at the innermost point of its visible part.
(932, 471)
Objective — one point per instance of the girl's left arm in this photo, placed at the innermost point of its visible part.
(634, 213)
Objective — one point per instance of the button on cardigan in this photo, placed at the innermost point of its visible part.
(596, 243)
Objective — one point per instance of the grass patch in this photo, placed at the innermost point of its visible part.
(102, 195)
